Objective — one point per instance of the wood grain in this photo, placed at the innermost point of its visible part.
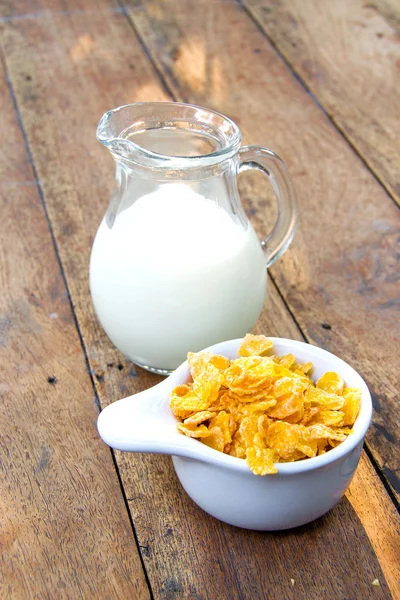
(64, 528)
(380, 520)
(343, 265)
(389, 9)
(330, 558)
(187, 554)
(348, 54)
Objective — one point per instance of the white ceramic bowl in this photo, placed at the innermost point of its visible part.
(223, 485)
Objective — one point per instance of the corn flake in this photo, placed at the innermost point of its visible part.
(317, 397)
(197, 361)
(223, 421)
(264, 409)
(207, 384)
(199, 417)
(287, 360)
(197, 432)
(351, 406)
(261, 460)
(184, 402)
(333, 418)
(258, 406)
(249, 374)
(291, 442)
(331, 382)
(255, 345)
(215, 439)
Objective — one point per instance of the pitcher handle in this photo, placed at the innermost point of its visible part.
(263, 159)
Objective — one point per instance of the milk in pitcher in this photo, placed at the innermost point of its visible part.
(176, 265)
(175, 272)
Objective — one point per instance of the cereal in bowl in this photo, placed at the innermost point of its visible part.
(263, 408)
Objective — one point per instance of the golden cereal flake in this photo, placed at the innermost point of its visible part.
(324, 432)
(287, 360)
(259, 406)
(255, 345)
(302, 369)
(184, 402)
(197, 418)
(289, 394)
(333, 418)
(261, 460)
(215, 440)
(317, 397)
(222, 420)
(351, 406)
(198, 432)
(291, 442)
(207, 384)
(248, 374)
(198, 360)
(331, 382)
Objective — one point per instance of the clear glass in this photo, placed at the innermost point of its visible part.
(176, 266)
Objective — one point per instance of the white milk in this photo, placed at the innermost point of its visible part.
(175, 273)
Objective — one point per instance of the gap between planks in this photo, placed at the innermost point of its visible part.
(44, 13)
(382, 477)
(305, 86)
(158, 72)
(122, 9)
(81, 341)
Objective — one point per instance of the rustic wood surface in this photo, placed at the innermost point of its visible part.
(348, 55)
(65, 532)
(66, 63)
(389, 9)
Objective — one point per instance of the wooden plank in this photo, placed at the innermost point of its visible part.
(343, 265)
(380, 520)
(329, 558)
(389, 9)
(348, 54)
(186, 553)
(64, 527)
(84, 57)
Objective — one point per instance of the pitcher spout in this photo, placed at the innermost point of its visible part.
(113, 133)
(168, 135)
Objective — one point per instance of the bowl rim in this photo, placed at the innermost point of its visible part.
(360, 426)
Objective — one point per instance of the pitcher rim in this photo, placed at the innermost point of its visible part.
(129, 151)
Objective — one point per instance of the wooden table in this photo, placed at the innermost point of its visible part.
(318, 82)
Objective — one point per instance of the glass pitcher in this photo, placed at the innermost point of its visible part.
(176, 266)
